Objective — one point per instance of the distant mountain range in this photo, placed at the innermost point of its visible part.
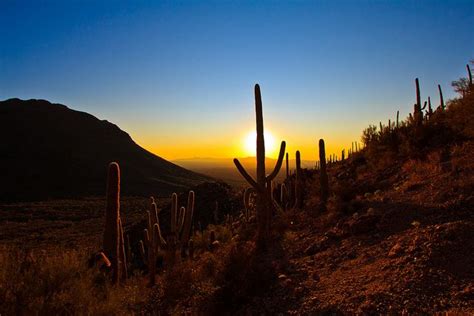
(224, 168)
(50, 151)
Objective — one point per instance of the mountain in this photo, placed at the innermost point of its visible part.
(50, 151)
(224, 168)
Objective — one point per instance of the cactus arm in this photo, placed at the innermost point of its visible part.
(247, 177)
(101, 257)
(279, 162)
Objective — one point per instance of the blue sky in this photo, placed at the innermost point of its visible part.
(178, 76)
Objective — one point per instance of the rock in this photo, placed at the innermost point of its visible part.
(370, 211)
(282, 276)
(299, 290)
(395, 250)
(215, 244)
(318, 246)
(363, 224)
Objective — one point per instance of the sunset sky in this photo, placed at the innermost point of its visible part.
(178, 76)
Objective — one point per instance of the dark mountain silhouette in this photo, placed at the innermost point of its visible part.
(50, 151)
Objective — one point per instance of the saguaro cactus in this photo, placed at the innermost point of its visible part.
(112, 238)
(287, 167)
(299, 182)
(441, 99)
(262, 185)
(418, 114)
(323, 174)
(152, 241)
(469, 74)
(188, 220)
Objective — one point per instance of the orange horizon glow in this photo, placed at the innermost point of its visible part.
(241, 147)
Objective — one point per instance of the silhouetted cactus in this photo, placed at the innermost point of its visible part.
(398, 114)
(112, 238)
(417, 111)
(469, 74)
(441, 99)
(323, 174)
(287, 167)
(262, 185)
(188, 219)
(299, 182)
(430, 109)
(152, 242)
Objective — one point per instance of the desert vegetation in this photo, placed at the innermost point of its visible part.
(384, 228)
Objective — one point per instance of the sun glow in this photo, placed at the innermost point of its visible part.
(250, 143)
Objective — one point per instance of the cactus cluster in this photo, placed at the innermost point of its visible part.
(153, 246)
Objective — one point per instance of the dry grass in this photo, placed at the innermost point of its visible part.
(58, 283)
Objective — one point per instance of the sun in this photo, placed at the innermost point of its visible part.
(250, 143)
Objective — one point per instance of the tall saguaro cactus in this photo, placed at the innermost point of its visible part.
(112, 238)
(418, 114)
(299, 184)
(323, 177)
(262, 184)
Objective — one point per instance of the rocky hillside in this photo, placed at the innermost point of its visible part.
(395, 237)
